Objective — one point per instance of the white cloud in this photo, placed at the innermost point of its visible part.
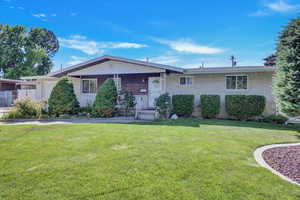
(259, 13)
(167, 60)
(40, 15)
(187, 46)
(53, 15)
(281, 6)
(91, 47)
(20, 8)
(73, 14)
(76, 60)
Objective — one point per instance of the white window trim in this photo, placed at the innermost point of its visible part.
(186, 85)
(236, 82)
(120, 86)
(88, 79)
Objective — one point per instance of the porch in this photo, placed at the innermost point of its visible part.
(146, 87)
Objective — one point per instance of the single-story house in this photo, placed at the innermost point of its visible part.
(148, 80)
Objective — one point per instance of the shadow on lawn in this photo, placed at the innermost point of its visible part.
(193, 122)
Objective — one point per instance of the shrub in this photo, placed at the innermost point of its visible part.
(25, 108)
(276, 119)
(210, 105)
(106, 100)
(183, 105)
(244, 107)
(127, 101)
(163, 105)
(63, 99)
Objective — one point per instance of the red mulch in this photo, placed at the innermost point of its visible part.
(285, 160)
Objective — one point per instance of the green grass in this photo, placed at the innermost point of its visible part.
(188, 159)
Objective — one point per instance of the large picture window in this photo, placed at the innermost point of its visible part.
(89, 86)
(239, 82)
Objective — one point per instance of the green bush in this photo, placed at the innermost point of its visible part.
(127, 101)
(62, 98)
(25, 108)
(183, 105)
(244, 107)
(163, 105)
(106, 100)
(276, 119)
(210, 105)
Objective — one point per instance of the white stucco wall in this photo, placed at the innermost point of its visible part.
(259, 83)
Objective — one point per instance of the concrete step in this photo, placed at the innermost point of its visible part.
(146, 115)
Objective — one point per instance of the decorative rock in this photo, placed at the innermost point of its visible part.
(174, 117)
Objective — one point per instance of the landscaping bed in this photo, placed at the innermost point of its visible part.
(285, 160)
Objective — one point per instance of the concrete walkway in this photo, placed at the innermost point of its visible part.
(73, 121)
(260, 160)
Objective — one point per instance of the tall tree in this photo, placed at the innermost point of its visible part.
(24, 53)
(270, 60)
(287, 79)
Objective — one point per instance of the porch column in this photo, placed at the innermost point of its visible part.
(163, 81)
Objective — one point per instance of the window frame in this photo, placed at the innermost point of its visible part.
(119, 87)
(237, 75)
(185, 85)
(88, 79)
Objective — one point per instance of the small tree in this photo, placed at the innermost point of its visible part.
(62, 98)
(163, 105)
(127, 101)
(106, 100)
(287, 79)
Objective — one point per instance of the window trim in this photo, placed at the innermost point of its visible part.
(120, 86)
(236, 75)
(185, 85)
(88, 79)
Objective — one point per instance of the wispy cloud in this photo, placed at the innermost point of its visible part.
(76, 60)
(281, 6)
(73, 14)
(91, 47)
(167, 60)
(40, 15)
(188, 46)
(278, 6)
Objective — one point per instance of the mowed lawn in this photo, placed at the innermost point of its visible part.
(188, 159)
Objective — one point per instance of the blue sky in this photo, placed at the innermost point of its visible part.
(178, 33)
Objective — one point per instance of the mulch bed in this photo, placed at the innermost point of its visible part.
(285, 160)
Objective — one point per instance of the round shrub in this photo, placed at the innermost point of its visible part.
(106, 100)
(163, 105)
(244, 107)
(127, 101)
(183, 105)
(62, 98)
(210, 105)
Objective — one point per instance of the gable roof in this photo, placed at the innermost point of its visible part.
(113, 58)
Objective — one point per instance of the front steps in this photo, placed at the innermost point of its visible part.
(149, 115)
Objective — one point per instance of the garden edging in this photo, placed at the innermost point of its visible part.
(260, 160)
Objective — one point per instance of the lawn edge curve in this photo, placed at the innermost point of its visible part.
(260, 160)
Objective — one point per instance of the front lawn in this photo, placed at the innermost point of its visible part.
(187, 159)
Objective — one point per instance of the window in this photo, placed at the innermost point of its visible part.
(185, 80)
(236, 82)
(89, 86)
(118, 83)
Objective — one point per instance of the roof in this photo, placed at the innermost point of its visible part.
(36, 77)
(222, 70)
(10, 81)
(114, 58)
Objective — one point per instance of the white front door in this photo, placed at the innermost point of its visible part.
(154, 90)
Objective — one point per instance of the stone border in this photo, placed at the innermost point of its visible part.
(260, 160)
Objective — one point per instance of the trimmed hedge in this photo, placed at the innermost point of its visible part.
(163, 105)
(275, 119)
(210, 105)
(183, 105)
(244, 107)
(62, 98)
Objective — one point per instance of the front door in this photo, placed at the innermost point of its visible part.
(154, 90)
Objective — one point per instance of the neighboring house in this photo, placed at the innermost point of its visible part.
(148, 80)
(8, 91)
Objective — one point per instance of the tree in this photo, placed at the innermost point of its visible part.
(62, 98)
(106, 100)
(270, 60)
(26, 53)
(127, 101)
(287, 79)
